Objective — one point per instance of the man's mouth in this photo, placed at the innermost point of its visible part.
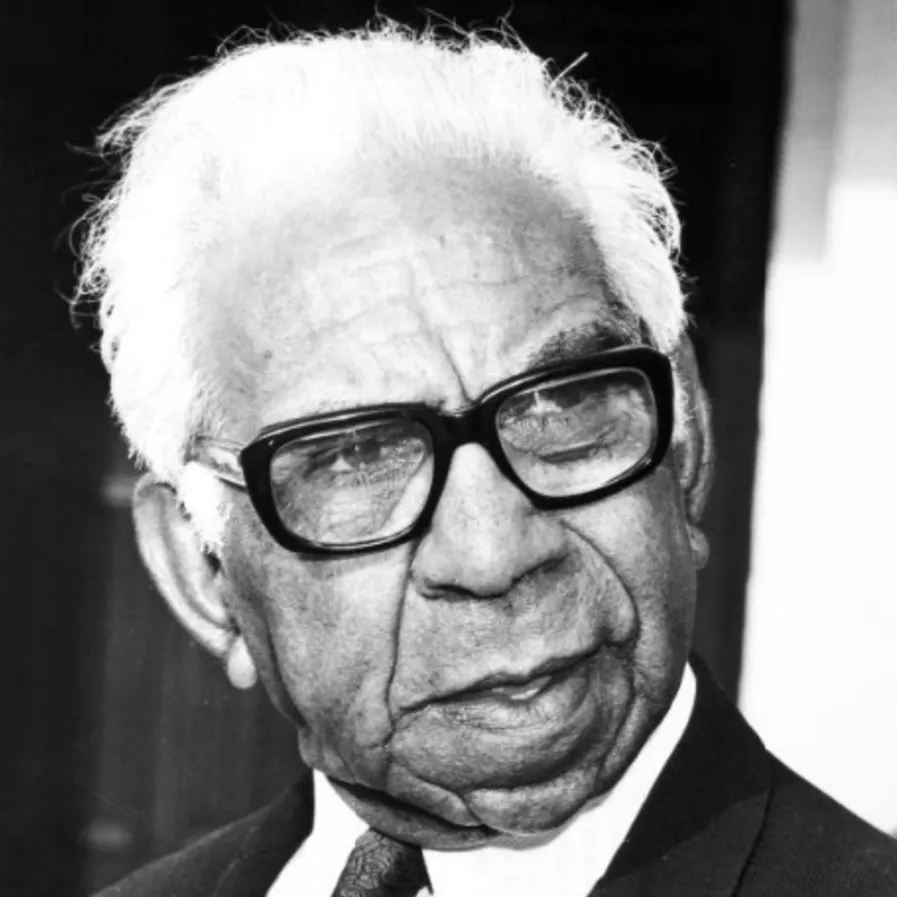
(507, 699)
(520, 692)
(506, 693)
(515, 686)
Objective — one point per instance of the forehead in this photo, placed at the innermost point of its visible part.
(428, 288)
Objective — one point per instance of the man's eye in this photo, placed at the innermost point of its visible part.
(350, 460)
(345, 458)
(585, 444)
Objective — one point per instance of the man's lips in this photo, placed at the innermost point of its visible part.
(515, 686)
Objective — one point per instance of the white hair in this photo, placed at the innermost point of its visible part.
(265, 125)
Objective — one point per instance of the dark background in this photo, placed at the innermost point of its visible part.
(120, 739)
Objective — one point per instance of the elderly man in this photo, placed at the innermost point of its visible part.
(394, 323)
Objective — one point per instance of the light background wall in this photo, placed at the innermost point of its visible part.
(820, 658)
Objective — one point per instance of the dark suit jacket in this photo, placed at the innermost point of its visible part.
(725, 818)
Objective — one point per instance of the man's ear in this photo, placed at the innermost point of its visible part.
(188, 576)
(694, 453)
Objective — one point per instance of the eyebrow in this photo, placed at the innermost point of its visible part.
(565, 345)
(575, 343)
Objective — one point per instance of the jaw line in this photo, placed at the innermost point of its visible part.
(442, 834)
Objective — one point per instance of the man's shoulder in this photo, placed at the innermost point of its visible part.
(726, 810)
(811, 844)
(191, 870)
(241, 858)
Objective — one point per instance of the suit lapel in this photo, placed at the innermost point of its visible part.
(698, 826)
(267, 846)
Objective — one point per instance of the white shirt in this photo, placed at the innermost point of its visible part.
(565, 863)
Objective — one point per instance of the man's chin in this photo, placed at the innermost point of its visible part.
(407, 822)
(482, 816)
(536, 809)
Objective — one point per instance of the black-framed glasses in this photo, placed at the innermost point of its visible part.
(369, 478)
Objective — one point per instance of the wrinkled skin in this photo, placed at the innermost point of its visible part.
(433, 291)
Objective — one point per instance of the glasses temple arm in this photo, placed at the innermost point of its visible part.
(221, 457)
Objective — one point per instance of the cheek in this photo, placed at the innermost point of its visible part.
(641, 534)
(323, 634)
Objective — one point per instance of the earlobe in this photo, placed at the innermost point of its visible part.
(700, 547)
(239, 664)
(188, 579)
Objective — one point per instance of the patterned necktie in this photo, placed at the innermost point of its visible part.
(378, 866)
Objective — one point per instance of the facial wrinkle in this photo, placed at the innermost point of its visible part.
(617, 579)
(640, 691)
(437, 794)
(398, 619)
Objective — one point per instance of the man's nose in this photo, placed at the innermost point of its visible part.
(484, 536)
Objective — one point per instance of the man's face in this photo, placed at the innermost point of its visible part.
(508, 665)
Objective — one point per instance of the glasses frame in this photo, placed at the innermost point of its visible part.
(249, 467)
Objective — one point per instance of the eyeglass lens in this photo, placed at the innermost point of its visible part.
(354, 483)
(572, 436)
(562, 437)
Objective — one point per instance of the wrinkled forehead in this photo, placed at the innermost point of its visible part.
(470, 216)
(431, 252)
